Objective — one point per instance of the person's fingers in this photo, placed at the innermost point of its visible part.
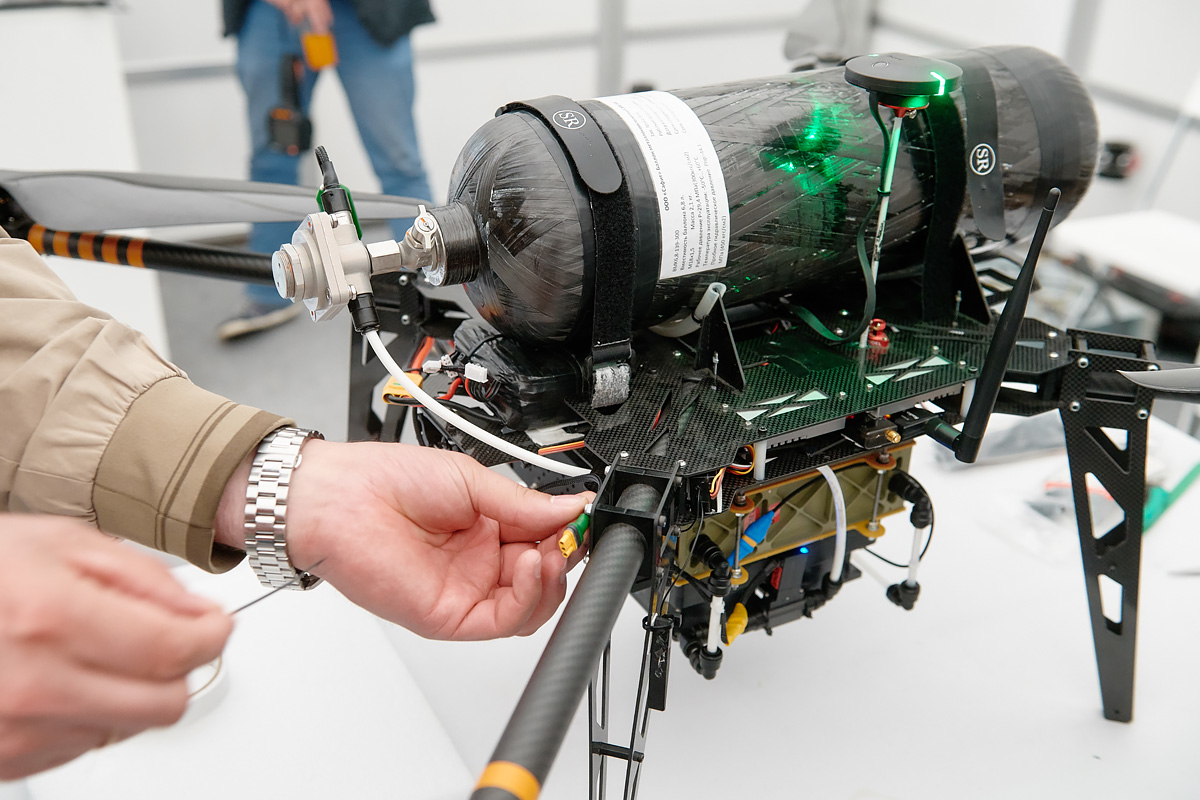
(50, 689)
(112, 631)
(27, 748)
(294, 14)
(554, 588)
(509, 555)
(319, 15)
(130, 636)
(521, 512)
(508, 608)
(137, 639)
(137, 574)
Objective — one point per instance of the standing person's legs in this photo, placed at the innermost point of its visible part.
(265, 38)
(379, 85)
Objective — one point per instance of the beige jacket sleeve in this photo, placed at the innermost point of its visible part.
(95, 425)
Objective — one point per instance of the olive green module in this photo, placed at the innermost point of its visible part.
(807, 516)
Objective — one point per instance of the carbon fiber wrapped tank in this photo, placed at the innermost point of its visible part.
(799, 157)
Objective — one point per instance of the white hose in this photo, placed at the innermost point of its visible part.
(839, 513)
(914, 560)
(466, 426)
(715, 608)
(689, 323)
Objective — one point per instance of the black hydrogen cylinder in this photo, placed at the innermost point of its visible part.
(761, 185)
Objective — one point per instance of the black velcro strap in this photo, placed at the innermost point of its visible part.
(985, 175)
(580, 135)
(946, 201)
(614, 228)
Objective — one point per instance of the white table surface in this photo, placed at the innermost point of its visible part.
(318, 705)
(1155, 245)
(988, 689)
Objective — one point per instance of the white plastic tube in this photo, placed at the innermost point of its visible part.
(688, 323)
(715, 608)
(839, 513)
(465, 425)
(914, 560)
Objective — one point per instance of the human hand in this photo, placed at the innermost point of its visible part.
(316, 13)
(95, 642)
(425, 538)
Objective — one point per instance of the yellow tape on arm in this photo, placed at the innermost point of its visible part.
(510, 777)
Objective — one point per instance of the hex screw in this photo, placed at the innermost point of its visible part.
(1083, 362)
(1075, 406)
(1143, 413)
(405, 319)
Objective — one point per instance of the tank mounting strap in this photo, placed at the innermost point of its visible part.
(580, 135)
(985, 175)
(615, 267)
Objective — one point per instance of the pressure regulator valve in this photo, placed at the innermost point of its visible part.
(325, 266)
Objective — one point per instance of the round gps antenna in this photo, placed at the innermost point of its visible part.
(902, 81)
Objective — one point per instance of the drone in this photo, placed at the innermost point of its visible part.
(731, 312)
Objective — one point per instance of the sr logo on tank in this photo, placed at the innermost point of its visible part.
(569, 119)
(983, 159)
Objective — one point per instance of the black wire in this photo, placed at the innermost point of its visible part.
(795, 492)
(753, 584)
(928, 539)
(697, 584)
(673, 573)
(467, 358)
(473, 414)
(864, 262)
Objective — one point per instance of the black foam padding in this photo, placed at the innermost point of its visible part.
(536, 729)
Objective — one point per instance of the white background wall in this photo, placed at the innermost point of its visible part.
(477, 57)
(188, 116)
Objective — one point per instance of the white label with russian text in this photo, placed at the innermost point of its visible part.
(693, 209)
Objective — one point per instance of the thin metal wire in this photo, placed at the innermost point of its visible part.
(299, 575)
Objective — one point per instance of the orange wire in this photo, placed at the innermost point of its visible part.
(422, 353)
(561, 448)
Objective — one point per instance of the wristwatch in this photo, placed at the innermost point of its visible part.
(277, 458)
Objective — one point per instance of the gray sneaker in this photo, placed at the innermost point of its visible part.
(256, 317)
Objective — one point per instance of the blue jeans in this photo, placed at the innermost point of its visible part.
(379, 86)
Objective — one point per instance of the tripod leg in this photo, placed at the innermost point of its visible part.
(1095, 406)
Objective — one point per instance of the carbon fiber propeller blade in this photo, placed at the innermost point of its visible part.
(95, 201)
(1181, 384)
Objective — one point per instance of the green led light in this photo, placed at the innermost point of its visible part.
(941, 83)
